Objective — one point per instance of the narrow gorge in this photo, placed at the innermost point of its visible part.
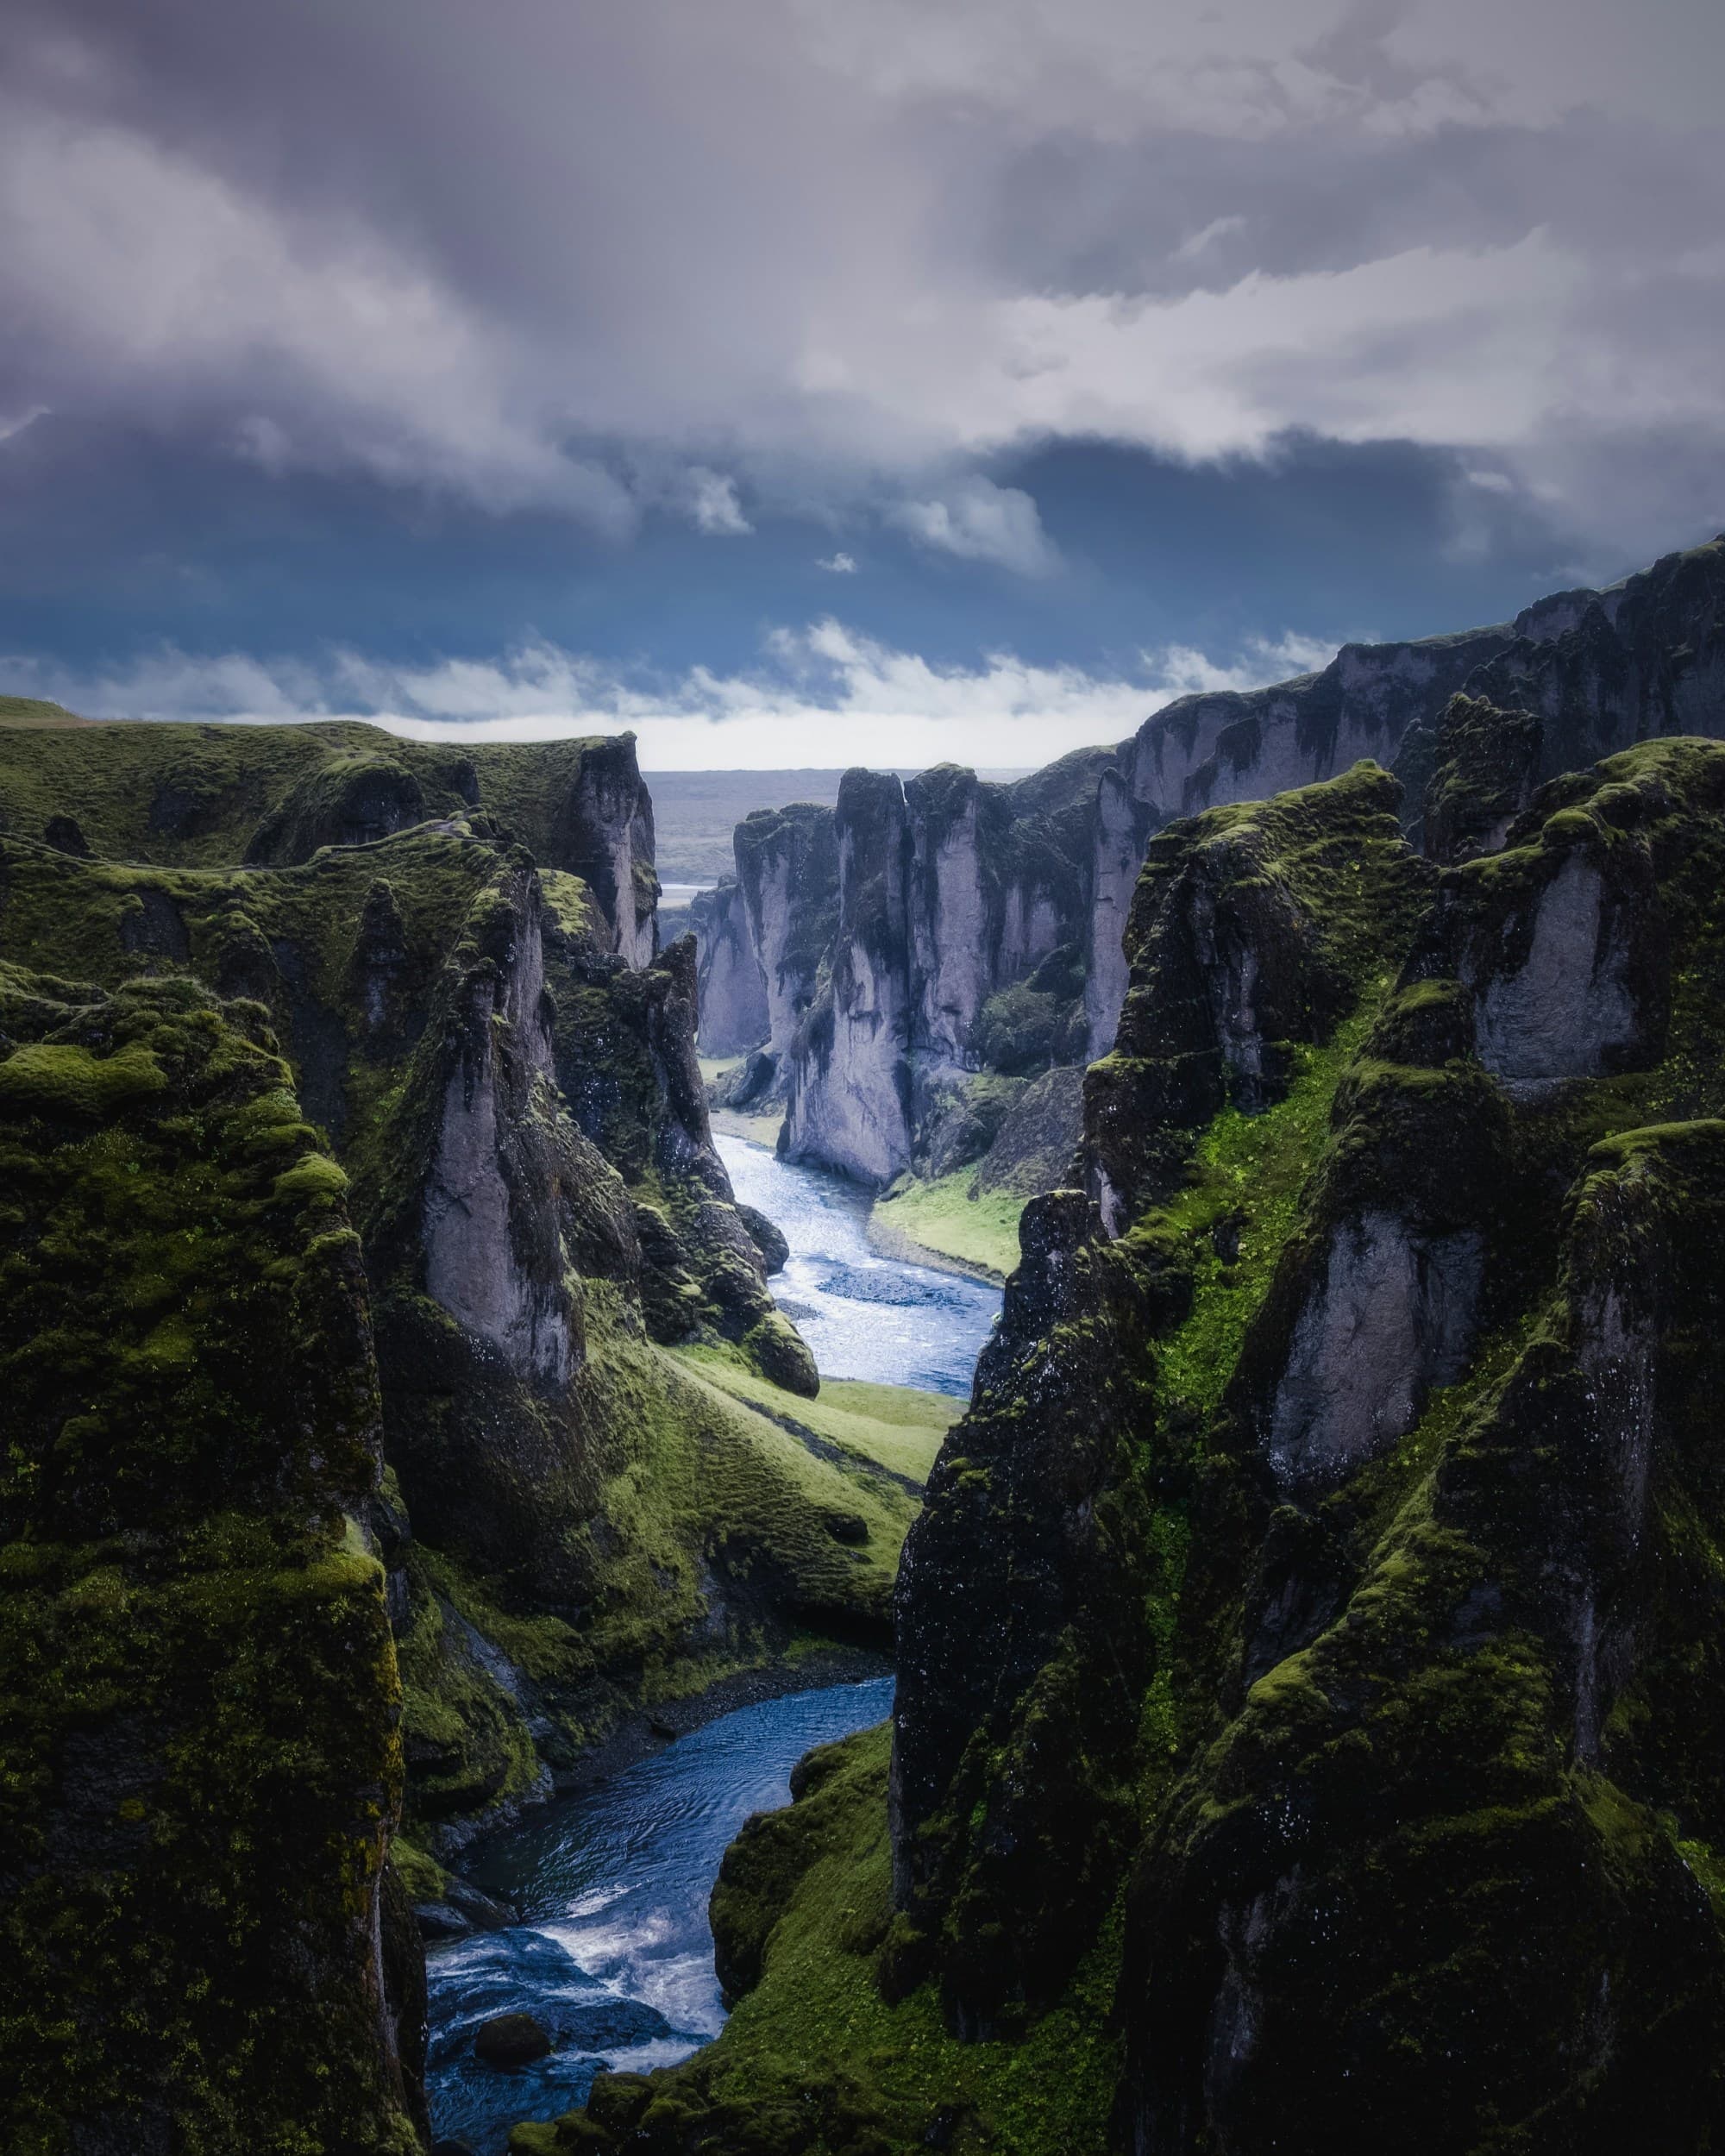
(491, 1416)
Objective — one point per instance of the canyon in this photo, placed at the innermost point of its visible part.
(870, 963)
(1309, 1637)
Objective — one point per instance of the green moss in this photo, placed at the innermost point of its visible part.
(950, 1217)
(1232, 1221)
(43, 1079)
(198, 1691)
(816, 2022)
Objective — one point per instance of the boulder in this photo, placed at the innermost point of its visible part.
(510, 2040)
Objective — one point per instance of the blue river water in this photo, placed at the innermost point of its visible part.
(613, 1954)
(862, 1315)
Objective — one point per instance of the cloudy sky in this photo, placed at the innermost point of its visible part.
(804, 381)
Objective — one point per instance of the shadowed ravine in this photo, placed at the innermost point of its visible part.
(614, 1956)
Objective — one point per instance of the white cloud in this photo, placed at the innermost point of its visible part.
(823, 694)
(980, 522)
(782, 237)
(840, 564)
(714, 505)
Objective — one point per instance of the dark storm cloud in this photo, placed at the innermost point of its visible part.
(687, 257)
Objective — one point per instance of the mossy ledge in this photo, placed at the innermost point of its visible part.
(1317, 1694)
(204, 1948)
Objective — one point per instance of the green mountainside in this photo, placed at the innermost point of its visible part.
(496, 1121)
(1312, 1653)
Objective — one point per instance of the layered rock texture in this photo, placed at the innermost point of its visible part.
(977, 928)
(1313, 1648)
(763, 938)
(920, 932)
(205, 1947)
(559, 1521)
(206, 796)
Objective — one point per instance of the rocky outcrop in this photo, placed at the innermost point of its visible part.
(1041, 1541)
(582, 807)
(734, 1017)
(1426, 1470)
(541, 1206)
(182, 796)
(1603, 670)
(850, 1103)
(204, 1941)
(1460, 1774)
(959, 904)
(481, 1199)
(624, 1052)
(1032, 1149)
(762, 941)
(1472, 724)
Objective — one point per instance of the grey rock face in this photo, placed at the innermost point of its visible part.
(850, 1098)
(1568, 1005)
(603, 832)
(734, 1017)
(1033, 1151)
(950, 891)
(1605, 669)
(994, 879)
(1392, 1317)
(474, 1266)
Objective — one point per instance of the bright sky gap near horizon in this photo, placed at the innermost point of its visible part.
(801, 382)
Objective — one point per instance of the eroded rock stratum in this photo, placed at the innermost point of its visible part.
(1313, 1648)
(360, 1188)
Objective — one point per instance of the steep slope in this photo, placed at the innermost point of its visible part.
(1314, 1641)
(992, 940)
(763, 940)
(959, 903)
(185, 796)
(576, 1526)
(205, 1948)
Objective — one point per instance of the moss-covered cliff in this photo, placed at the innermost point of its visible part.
(1311, 1651)
(276, 1589)
(202, 796)
(205, 1947)
(575, 1525)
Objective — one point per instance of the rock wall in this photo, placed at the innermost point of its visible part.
(1323, 1529)
(1573, 678)
(734, 1017)
(205, 1942)
(955, 897)
(541, 1212)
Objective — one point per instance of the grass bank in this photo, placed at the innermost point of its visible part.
(890, 1427)
(944, 1221)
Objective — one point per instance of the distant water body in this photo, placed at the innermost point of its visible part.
(614, 1956)
(862, 1315)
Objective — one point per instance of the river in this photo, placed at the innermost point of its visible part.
(613, 1954)
(862, 1315)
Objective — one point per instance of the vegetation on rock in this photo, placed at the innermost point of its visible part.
(1312, 1648)
(204, 1946)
